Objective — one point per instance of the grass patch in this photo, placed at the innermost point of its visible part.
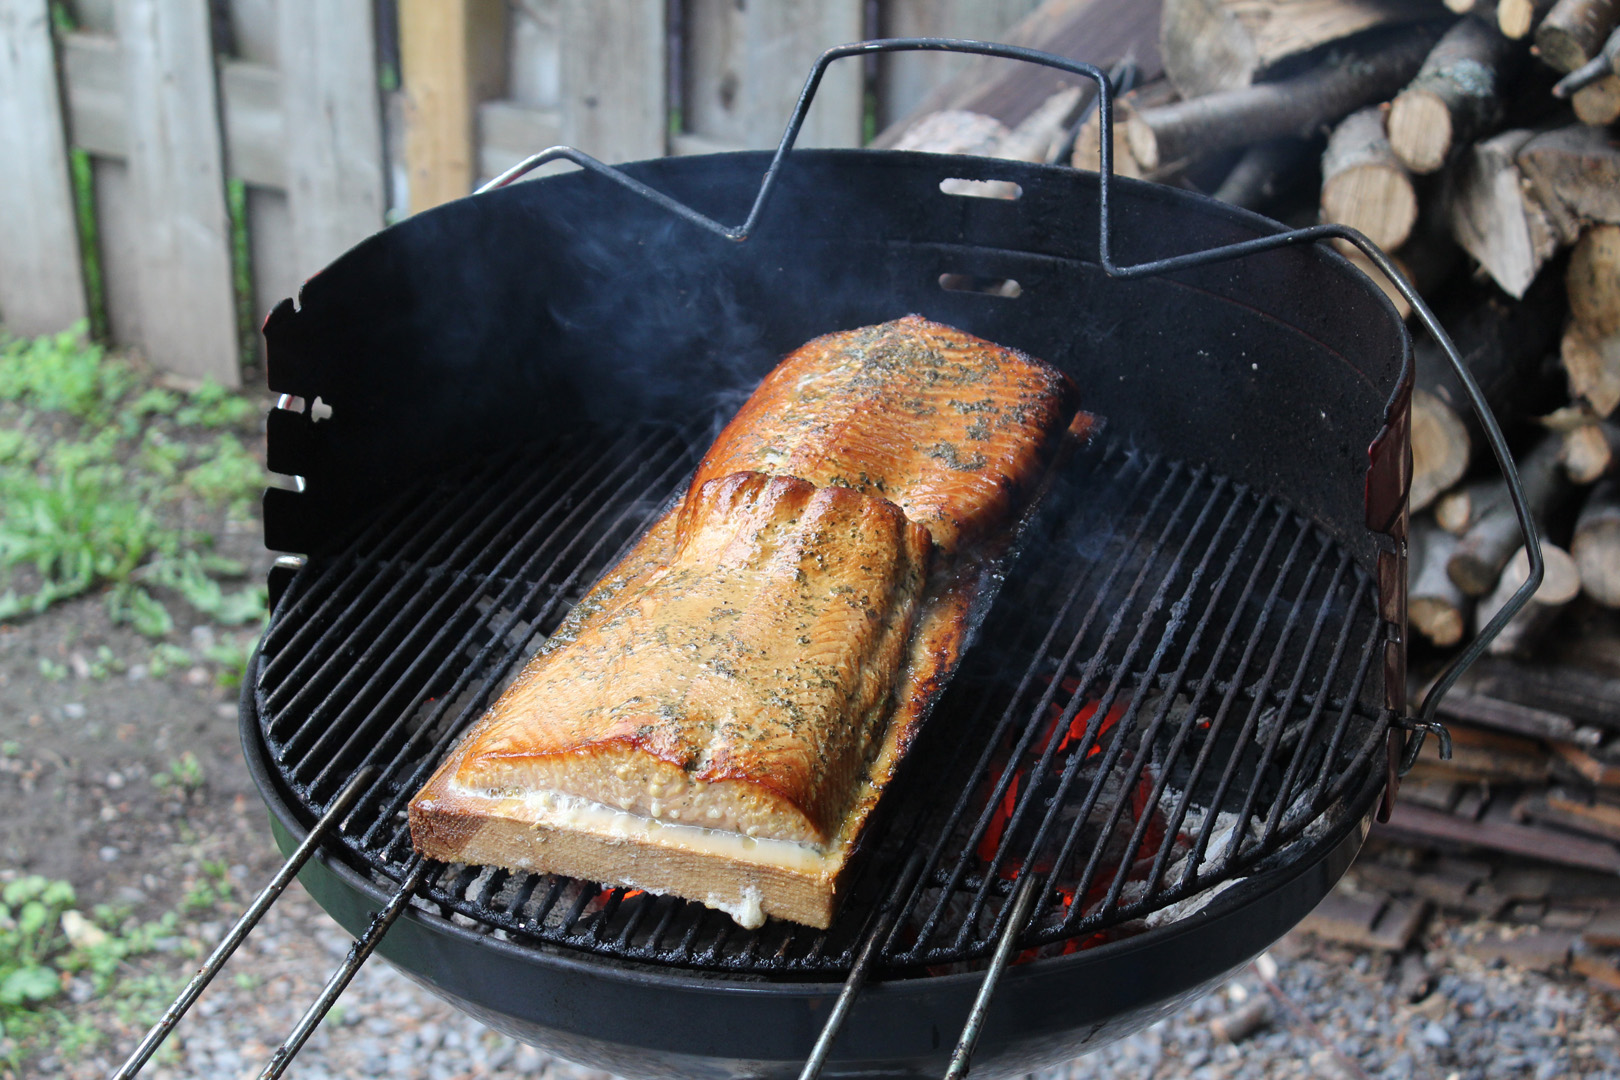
(47, 945)
(99, 467)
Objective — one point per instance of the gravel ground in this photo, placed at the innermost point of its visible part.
(1355, 1019)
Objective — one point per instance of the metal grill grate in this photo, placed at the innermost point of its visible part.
(1175, 685)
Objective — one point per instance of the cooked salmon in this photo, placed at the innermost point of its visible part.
(720, 714)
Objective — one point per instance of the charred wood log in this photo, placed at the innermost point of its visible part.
(1455, 98)
(1364, 185)
(1372, 71)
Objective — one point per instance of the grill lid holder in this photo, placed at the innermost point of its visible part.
(299, 521)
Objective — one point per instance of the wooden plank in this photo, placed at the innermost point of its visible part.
(614, 76)
(1425, 824)
(534, 49)
(176, 155)
(250, 92)
(905, 79)
(255, 30)
(745, 65)
(509, 132)
(1100, 32)
(93, 74)
(41, 276)
(255, 124)
(118, 235)
(333, 128)
(270, 251)
(451, 58)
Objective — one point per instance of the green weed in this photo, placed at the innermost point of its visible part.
(63, 373)
(167, 658)
(185, 773)
(228, 475)
(232, 655)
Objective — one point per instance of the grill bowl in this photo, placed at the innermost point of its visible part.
(567, 307)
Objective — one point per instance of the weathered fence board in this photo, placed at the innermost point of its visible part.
(173, 99)
(41, 278)
(333, 136)
(904, 79)
(613, 78)
(745, 66)
(188, 310)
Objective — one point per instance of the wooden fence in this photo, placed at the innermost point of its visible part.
(170, 167)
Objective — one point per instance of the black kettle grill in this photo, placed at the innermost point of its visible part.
(1164, 750)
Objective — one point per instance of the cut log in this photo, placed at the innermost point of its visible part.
(1598, 104)
(1435, 607)
(1455, 98)
(1591, 451)
(1495, 217)
(1264, 172)
(1364, 185)
(1441, 448)
(1597, 544)
(1458, 509)
(1593, 281)
(1484, 9)
(1592, 365)
(1158, 92)
(1578, 168)
(1573, 32)
(1516, 18)
(1214, 45)
(1501, 343)
(1099, 32)
(1371, 71)
(1560, 584)
(1485, 549)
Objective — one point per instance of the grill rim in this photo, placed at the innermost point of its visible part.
(1288, 885)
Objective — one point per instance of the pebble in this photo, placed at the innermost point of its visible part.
(1435, 1035)
(74, 710)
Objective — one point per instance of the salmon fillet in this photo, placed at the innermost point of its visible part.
(719, 716)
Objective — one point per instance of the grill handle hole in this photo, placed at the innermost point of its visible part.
(980, 189)
(1006, 288)
(319, 411)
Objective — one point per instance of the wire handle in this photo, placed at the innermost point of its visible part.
(1425, 718)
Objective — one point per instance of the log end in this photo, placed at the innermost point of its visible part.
(1558, 48)
(1376, 199)
(1598, 104)
(1440, 448)
(1473, 574)
(1436, 619)
(1420, 130)
(1143, 143)
(1597, 557)
(1515, 17)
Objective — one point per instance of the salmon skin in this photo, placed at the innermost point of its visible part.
(719, 716)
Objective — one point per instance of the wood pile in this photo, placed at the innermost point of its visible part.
(1473, 141)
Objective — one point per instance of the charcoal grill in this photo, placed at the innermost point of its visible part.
(1164, 749)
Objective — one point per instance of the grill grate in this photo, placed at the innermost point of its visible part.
(1175, 686)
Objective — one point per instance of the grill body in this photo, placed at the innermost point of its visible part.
(567, 308)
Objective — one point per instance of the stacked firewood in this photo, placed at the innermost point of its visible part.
(1474, 142)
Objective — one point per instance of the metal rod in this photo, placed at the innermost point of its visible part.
(1151, 268)
(870, 947)
(962, 1056)
(358, 953)
(244, 926)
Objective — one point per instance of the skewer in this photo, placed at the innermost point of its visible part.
(244, 926)
(962, 1056)
(877, 933)
(358, 953)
